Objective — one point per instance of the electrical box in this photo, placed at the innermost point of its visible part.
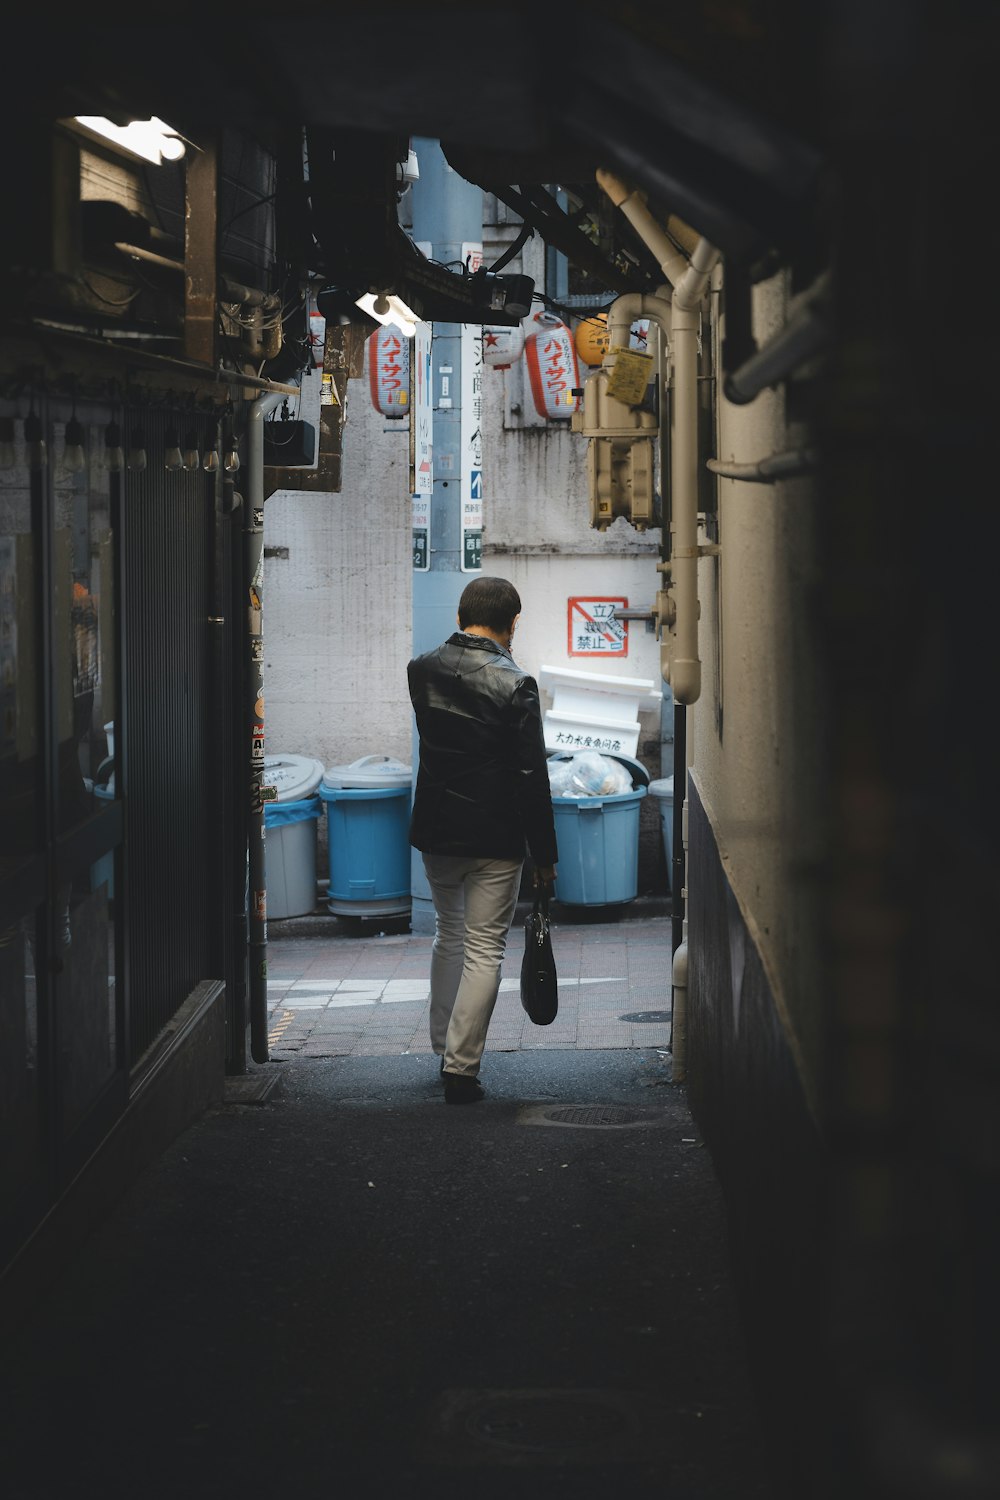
(289, 445)
(620, 456)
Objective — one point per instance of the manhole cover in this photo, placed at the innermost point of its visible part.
(641, 1017)
(544, 1427)
(546, 1423)
(599, 1114)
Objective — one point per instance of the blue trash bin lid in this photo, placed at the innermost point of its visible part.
(663, 786)
(369, 771)
(295, 776)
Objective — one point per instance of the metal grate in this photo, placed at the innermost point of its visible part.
(596, 1115)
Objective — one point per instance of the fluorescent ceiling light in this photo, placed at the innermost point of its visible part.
(151, 139)
(389, 309)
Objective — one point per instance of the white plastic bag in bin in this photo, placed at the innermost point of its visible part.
(588, 773)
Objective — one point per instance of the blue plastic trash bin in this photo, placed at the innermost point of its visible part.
(368, 837)
(598, 840)
(663, 790)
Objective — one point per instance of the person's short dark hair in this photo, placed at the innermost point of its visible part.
(492, 602)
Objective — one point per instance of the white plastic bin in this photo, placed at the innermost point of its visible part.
(290, 834)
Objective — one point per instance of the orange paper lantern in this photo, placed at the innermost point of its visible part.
(592, 339)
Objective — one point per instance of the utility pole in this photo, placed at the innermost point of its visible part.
(448, 520)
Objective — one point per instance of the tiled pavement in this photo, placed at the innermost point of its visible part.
(364, 996)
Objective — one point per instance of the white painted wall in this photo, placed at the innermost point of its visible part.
(337, 610)
(538, 534)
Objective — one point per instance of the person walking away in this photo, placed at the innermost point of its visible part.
(481, 806)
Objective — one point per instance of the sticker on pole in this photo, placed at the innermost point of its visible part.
(593, 629)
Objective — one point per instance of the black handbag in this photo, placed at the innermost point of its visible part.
(539, 985)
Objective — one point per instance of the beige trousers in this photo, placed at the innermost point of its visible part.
(474, 902)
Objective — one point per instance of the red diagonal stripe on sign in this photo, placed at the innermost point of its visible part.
(590, 619)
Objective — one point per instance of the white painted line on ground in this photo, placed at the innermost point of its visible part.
(344, 993)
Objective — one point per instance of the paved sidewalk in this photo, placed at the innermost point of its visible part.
(334, 995)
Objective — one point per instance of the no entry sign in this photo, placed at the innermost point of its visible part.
(593, 629)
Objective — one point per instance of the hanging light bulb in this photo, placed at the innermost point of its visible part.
(34, 441)
(75, 451)
(7, 453)
(114, 455)
(231, 461)
(173, 458)
(191, 458)
(137, 449)
(210, 457)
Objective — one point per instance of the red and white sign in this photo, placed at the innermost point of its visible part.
(389, 371)
(553, 368)
(593, 629)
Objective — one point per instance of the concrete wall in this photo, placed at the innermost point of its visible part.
(757, 734)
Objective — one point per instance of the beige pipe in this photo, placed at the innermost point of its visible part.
(623, 313)
(678, 1014)
(672, 262)
(680, 663)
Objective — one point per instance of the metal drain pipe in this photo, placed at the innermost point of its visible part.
(790, 464)
(253, 578)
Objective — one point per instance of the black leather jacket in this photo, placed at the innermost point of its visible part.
(482, 779)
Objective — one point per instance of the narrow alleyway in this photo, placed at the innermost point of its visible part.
(363, 1292)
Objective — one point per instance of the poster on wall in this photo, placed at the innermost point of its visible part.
(421, 417)
(471, 439)
(421, 533)
(421, 413)
(593, 629)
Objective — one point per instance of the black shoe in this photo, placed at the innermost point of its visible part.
(462, 1088)
(441, 1068)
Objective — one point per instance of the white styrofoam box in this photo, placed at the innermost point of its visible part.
(588, 732)
(595, 694)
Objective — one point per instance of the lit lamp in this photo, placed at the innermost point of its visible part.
(386, 307)
(151, 140)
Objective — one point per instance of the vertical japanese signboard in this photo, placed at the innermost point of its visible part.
(471, 440)
(423, 449)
